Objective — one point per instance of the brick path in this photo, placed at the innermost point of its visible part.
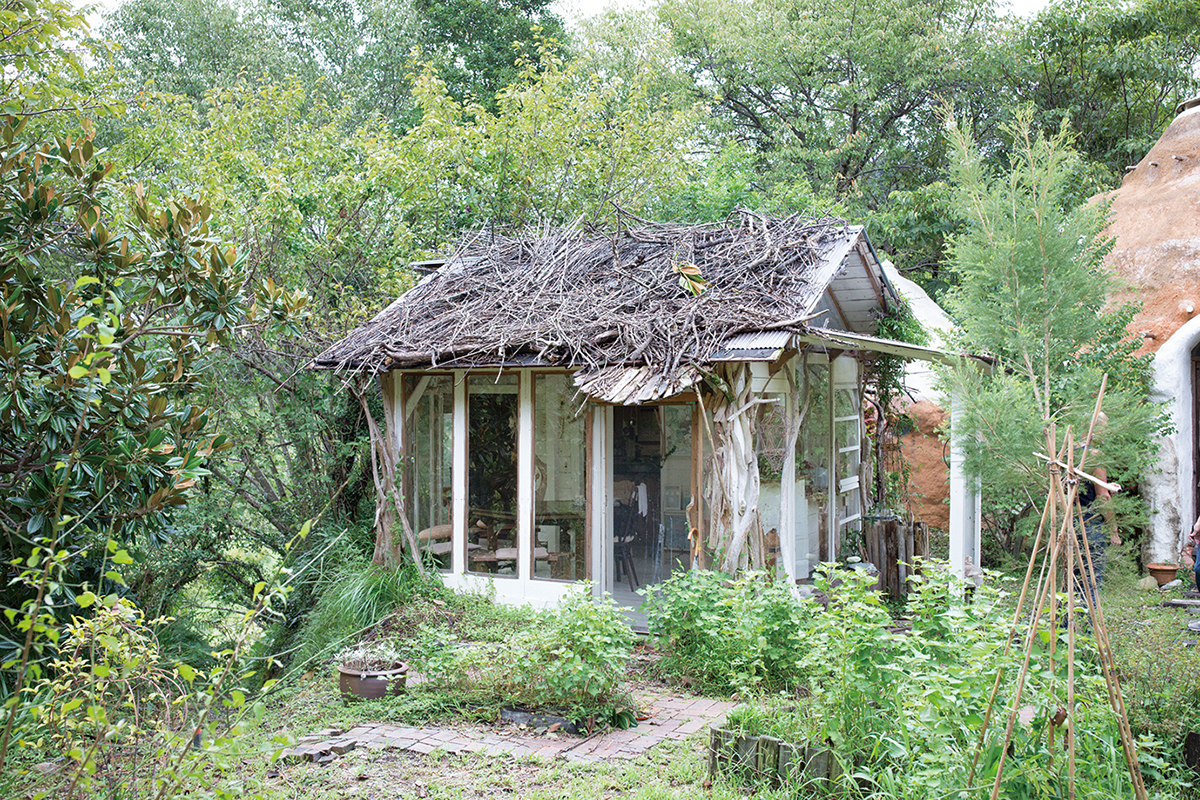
(669, 717)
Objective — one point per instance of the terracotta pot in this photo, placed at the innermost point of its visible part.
(372, 684)
(1163, 573)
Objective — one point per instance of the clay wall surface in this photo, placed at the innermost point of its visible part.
(929, 478)
(1155, 221)
(1156, 224)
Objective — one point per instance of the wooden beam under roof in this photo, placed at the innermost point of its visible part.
(866, 260)
(915, 352)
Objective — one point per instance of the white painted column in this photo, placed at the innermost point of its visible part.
(397, 411)
(525, 478)
(601, 477)
(458, 503)
(787, 485)
(965, 531)
(1169, 486)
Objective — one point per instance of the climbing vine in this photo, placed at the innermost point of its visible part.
(885, 374)
(887, 371)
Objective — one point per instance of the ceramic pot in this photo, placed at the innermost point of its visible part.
(372, 684)
(1163, 573)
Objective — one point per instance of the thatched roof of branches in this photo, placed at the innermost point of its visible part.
(649, 306)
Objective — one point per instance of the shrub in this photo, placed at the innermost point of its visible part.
(903, 710)
(577, 659)
(125, 721)
(571, 660)
(745, 634)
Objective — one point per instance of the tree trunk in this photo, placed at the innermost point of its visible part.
(389, 505)
(734, 482)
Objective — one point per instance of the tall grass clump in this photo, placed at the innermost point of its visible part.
(356, 597)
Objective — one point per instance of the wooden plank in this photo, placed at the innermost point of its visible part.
(1181, 604)
(410, 402)
(875, 546)
(838, 307)
(864, 254)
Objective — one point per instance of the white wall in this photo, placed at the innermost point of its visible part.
(1170, 490)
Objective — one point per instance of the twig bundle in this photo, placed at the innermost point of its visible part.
(587, 299)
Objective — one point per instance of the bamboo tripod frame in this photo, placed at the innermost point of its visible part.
(1062, 527)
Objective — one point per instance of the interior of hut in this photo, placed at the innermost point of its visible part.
(652, 487)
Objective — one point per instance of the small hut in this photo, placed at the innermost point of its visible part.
(617, 406)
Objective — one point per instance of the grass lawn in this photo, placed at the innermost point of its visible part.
(667, 771)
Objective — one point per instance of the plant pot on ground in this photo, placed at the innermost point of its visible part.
(1163, 573)
(370, 671)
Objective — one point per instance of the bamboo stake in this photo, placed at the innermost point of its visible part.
(1069, 582)
(1077, 560)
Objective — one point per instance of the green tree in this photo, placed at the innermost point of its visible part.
(1116, 69)
(838, 104)
(44, 47)
(188, 47)
(842, 95)
(475, 43)
(1033, 293)
(104, 337)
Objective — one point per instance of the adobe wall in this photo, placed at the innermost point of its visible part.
(922, 448)
(1156, 257)
(1156, 224)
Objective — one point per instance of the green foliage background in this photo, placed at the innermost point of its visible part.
(305, 152)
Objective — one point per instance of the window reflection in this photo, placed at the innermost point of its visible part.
(559, 480)
(428, 448)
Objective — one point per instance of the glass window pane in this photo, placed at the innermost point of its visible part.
(429, 442)
(844, 404)
(812, 467)
(771, 447)
(675, 549)
(559, 480)
(652, 488)
(492, 421)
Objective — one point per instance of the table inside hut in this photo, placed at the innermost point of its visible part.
(492, 545)
(558, 532)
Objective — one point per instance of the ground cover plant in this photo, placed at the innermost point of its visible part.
(901, 703)
(568, 660)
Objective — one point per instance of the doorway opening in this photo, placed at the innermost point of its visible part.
(1195, 428)
(654, 481)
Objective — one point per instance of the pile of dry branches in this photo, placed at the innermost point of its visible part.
(587, 299)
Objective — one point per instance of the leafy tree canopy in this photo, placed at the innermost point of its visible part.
(845, 94)
(1033, 293)
(475, 43)
(189, 47)
(1116, 69)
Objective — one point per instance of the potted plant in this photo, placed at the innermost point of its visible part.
(370, 670)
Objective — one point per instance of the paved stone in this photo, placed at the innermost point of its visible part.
(669, 718)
